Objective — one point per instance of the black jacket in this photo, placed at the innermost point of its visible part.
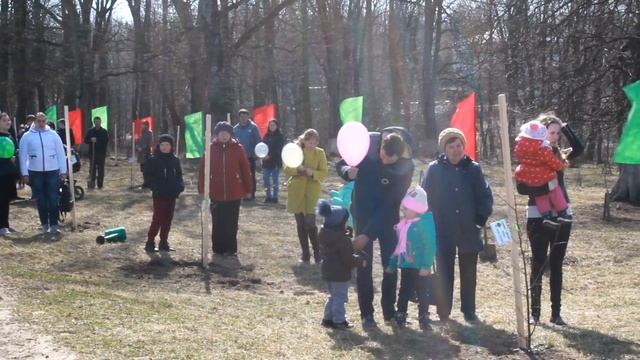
(63, 136)
(8, 167)
(102, 139)
(337, 255)
(275, 142)
(163, 175)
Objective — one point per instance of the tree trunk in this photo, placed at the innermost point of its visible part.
(5, 39)
(627, 188)
(428, 77)
(303, 95)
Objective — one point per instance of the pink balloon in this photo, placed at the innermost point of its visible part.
(353, 142)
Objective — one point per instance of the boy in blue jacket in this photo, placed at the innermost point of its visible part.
(414, 254)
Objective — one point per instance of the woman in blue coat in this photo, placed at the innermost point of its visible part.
(461, 201)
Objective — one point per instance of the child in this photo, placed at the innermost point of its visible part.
(8, 172)
(304, 187)
(337, 261)
(538, 166)
(414, 254)
(163, 176)
(272, 163)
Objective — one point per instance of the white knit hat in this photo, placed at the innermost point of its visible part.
(416, 200)
(534, 130)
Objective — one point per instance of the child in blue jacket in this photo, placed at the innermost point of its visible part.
(415, 255)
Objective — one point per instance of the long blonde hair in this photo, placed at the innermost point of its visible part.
(306, 135)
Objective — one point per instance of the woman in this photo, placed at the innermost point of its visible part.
(461, 201)
(272, 163)
(304, 187)
(549, 244)
(8, 172)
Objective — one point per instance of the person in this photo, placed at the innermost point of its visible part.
(272, 163)
(51, 125)
(303, 188)
(461, 202)
(163, 176)
(549, 245)
(337, 261)
(380, 182)
(415, 255)
(24, 128)
(98, 138)
(43, 165)
(247, 133)
(8, 172)
(143, 146)
(230, 181)
(538, 166)
(63, 135)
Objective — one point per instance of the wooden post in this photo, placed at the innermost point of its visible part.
(70, 167)
(115, 142)
(229, 118)
(206, 218)
(510, 198)
(133, 154)
(15, 127)
(178, 142)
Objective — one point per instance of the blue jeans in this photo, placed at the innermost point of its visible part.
(45, 186)
(338, 296)
(270, 176)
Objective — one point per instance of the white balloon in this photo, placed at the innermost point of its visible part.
(261, 150)
(292, 155)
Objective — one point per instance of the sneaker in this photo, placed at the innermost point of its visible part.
(368, 322)
(164, 246)
(425, 323)
(472, 318)
(534, 319)
(45, 229)
(342, 325)
(150, 246)
(327, 323)
(557, 320)
(4, 231)
(55, 229)
(401, 319)
(550, 223)
(564, 218)
(12, 230)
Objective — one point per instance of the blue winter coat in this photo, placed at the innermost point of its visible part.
(421, 245)
(248, 136)
(461, 201)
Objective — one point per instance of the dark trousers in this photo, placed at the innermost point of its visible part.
(364, 279)
(7, 193)
(252, 165)
(97, 170)
(411, 281)
(547, 245)
(45, 186)
(224, 236)
(468, 263)
(308, 232)
(163, 209)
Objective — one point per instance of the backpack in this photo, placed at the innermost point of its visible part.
(65, 203)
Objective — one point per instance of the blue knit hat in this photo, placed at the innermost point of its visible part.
(333, 215)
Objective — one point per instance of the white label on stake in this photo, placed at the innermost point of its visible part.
(501, 232)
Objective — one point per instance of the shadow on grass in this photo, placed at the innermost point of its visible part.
(36, 238)
(309, 275)
(596, 344)
(497, 342)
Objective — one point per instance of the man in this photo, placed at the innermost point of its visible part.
(248, 135)
(43, 166)
(98, 138)
(143, 147)
(381, 181)
(62, 133)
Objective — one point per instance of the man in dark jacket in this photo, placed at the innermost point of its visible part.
(63, 135)
(98, 138)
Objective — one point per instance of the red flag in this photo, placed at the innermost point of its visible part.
(137, 126)
(464, 119)
(75, 124)
(262, 116)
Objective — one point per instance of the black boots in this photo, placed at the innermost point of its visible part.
(305, 235)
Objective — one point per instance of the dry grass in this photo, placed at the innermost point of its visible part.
(117, 302)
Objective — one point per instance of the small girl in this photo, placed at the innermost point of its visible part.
(303, 188)
(337, 261)
(415, 255)
(272, 163)
(538, 167)
(163, 176)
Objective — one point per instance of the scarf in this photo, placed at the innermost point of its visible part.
(401, 229)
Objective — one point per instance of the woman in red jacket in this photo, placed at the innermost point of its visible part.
(229, 181)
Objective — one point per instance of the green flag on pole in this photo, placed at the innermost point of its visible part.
(103, 114)
(351, 109)
(52, 114)
(628, 150)
(194, 135)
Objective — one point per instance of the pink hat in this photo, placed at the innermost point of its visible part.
(416, 200)
(534, 130)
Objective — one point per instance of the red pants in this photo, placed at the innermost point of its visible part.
(554, 200)
(162, 216)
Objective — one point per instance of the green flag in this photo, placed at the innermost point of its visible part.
(628, 150)
(351, 109)
(52, 114)
(194, 135)
(103, 114)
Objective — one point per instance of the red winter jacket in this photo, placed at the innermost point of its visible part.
(230, 177)
(538, 164)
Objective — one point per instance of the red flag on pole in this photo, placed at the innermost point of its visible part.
(464, 119)
(75, 124)
(262, 116)
(137, 126)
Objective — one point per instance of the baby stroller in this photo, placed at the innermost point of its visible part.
(75, 165)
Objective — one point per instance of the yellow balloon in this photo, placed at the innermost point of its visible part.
(292, 155)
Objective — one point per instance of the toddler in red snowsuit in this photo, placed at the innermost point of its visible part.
(538, 166)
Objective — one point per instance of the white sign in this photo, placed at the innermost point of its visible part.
(501, 232)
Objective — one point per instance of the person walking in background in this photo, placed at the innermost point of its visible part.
(303, 188)
(98, 138)
(8, 172)
(43, 165)
(272, 163)
(461, 202)
(247, 133)
(143, 145)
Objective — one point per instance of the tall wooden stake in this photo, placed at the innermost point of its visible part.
(206, 218)
(133, 154)
(178, 142)
(70, 166)
(515, 250)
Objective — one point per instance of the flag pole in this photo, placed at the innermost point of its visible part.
(206, 212)
(67, 135)
(510, 199)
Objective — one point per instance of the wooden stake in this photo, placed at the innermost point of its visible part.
(515, 250)
(133, 154)
(206, 236)
(70, 167)
(115, 142)
(178, 142)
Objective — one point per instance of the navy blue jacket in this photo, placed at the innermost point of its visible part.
(275, 142)
(163, 175)
(459, 198)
